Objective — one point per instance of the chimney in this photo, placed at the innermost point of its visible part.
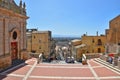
(97, 33)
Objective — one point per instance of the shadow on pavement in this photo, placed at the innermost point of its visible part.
(16, 64)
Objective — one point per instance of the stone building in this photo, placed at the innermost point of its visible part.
(76, 42)
(12, 32)
(95, 44)
(29, 39)
(89, 45)
(113, 37)
(76, 48)
(40, 41)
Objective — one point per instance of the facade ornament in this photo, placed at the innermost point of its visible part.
(20, 4)
(11, 5)
(24, 8)
(24, 5)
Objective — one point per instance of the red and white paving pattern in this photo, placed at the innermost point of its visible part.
(30, 70)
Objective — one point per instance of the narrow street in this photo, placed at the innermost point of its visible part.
(30, 70)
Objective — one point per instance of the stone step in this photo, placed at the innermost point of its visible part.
(108, 64)
(17, 62)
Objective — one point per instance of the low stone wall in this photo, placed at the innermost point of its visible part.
(92, 55)
(5, 62)
(25, 55)
(103, 57)
(35, 55)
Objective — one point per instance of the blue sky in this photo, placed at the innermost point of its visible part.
(71, 17)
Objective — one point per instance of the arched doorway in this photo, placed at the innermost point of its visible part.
(99, 50)
(14, 50)
(14, 44)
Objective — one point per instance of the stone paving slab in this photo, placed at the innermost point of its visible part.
(94, 63)
(62, 72)
(20, 70)
(56, 79)
(30, 63)
(104, 72)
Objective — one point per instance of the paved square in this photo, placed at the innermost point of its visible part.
(30, 70)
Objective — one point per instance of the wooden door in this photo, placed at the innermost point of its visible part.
(14, 50)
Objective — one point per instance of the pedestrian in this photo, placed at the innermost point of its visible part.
(40, 58)
(118, 58)
(110, 59)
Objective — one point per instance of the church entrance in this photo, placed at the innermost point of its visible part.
(14, 50)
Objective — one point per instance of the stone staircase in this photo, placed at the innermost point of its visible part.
(17, 62)
(107, 64)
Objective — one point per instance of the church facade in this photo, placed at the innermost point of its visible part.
(12, 32)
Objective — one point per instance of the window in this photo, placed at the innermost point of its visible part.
(39, 47)
(93, 41)
(14, 35)
(34, 37)
(99, 42)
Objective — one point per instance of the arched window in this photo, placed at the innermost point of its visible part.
(99, 42)
(14, 35)
(93, 41)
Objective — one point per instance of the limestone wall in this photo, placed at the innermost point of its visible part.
(5, 62)
(1, 36)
